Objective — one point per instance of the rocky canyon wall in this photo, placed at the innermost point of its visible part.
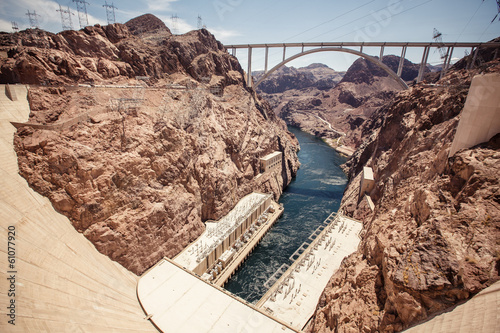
(142, 168)
(433, 239)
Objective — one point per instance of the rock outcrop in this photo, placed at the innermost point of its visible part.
(433, 239)
(286, 78)
(115, 53)
(139, 167)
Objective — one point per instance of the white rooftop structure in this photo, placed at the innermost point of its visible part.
(217, 232)
(295, 296)
(368, 173)
(270, 156)
(178, 301)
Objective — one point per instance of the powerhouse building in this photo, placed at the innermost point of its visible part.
(220, 240)
(271, 162)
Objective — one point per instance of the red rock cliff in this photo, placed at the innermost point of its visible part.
(433, 239)
(139, 177)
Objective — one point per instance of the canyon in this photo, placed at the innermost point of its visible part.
(333, 105)
(139, 136)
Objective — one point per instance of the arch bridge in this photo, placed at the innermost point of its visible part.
(356, 48)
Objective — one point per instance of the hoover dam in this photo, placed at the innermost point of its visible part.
(151, 182)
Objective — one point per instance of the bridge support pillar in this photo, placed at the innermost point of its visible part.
(284, 52)
(447, 60)
(475, 57)
(381, 53)
(423, 64)
(267, 59)
(249, 73)
(472, 55)
(401, 61)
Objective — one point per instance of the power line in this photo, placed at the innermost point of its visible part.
(498, 6)
(319, 25)
(365, 26)
(274, 53)
(489, 25)
(360, 18)
(369, 24)
(465, 27)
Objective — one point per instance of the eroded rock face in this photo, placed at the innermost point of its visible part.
(433, 239)
(115, 53)
(138, 179)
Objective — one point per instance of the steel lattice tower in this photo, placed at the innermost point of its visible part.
(15, 27)
(66, 18)
(204, 26)
(200, 22)
(81, 7)
(33, 17)
(110, 12)
(437, 36)
(175, 20)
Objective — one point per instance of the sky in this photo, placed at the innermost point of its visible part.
(264, 21)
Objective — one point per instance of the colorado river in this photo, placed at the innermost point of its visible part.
(308, 200)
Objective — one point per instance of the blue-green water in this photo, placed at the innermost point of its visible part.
(314, 194)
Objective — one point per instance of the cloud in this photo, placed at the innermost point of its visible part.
(223, 34)
(45, 10)
(48, 18)
(181, 25)
(159, 5)
(5, 25)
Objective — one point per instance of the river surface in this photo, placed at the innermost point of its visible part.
(314, 194)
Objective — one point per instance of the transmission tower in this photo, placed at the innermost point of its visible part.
(437, 36)
(15, 27)
(33, 17)
(175, 22)
(81, 7)
(66, 18)
(202, 26)
(110, 12)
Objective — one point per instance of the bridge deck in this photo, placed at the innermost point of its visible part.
(364, 44)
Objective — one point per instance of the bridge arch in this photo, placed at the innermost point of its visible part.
(336, 49)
